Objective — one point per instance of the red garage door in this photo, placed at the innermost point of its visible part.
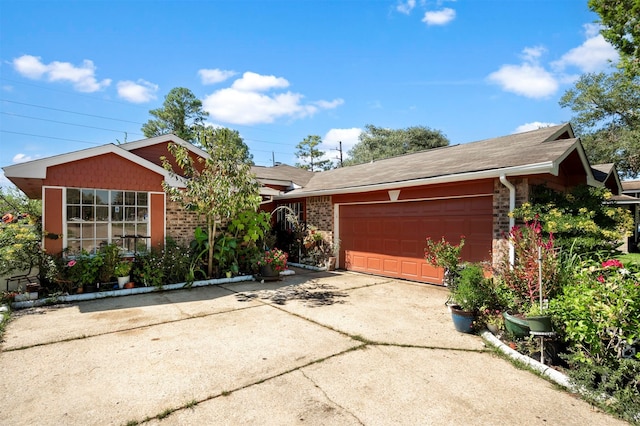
(389, 239)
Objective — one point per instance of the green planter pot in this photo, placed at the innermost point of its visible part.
(540, 323)
(519, 327)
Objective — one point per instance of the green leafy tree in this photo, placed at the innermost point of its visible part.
(377, 143)
(310, 156)
(607, 117)
(20, 231)
(208, 132)
(181, 114)
(621, 22)
(217, 187)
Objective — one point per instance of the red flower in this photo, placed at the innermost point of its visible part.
(612, 262)
(601, 279)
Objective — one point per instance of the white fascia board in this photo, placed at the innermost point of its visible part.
(143, 143)
(531, 169)
(279, 182)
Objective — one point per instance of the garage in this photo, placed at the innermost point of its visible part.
(389, 238)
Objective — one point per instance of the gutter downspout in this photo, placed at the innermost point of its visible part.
(512, 220)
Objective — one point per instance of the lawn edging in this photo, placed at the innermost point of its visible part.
(132, 291)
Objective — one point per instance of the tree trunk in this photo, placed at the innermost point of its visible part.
(211, 224)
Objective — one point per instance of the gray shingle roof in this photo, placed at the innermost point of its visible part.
(283, 172)
(517, 150)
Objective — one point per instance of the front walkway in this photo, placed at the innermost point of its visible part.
(317, 348)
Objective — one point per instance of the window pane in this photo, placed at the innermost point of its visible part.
(117, 213)
(73, 196)
(89, 246)
(102, 213)
(73, 230)
(130, 198)
(87, 213)
(88, 230)
(74, 246)
(142, 199)
(73, 213)
(88, 196)
(102, 231)
(142, 214)
(116, 198)
(116, 230)
(130, 229)
(130, 214)
(102, 198)
(142, 229)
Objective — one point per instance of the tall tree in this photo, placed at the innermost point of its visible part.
(311, 156)
(218, 187)
(376, 143)
(207, 132)
(621, 28)
(181, 114)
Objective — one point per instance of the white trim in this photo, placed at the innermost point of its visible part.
(336, 229)
(451, 197)
(170, 137)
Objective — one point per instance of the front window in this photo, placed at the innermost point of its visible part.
(97, 217)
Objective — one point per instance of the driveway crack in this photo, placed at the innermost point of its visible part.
(330, 399)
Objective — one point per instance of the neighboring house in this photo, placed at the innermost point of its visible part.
(381, 212)
(631, 197)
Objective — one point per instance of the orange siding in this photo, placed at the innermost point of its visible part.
(52, 223)
(157, 221)
(107, 171)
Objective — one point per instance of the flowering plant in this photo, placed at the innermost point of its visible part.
(445, 255)
(274, 257)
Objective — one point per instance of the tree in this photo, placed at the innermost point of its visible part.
(207, 132)
(621, 22)
(311, 155)
(607, 118)
(377, 143)
(219, 186)
(181, 114)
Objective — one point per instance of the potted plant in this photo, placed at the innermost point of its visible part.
(445, 255)
(270, 263)
(470, 294)
(539, 319)
(122, 271)
(333, 257)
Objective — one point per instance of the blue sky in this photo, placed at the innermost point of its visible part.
(77, 74)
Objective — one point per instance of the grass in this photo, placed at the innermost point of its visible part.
(629, 258)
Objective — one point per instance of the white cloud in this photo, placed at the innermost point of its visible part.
(253, 82)
(213, 76)
(245, 103)
(528, 80)
(137, 91)
(406, 7)
(22, 158)
(594, 55)
(535, 125)
(439, 17)
(348, 137)
(82, 77)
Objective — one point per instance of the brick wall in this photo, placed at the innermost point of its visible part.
(181, 223)
(320, 215)
(501, 212)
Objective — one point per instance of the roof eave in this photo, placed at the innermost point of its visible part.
(531, 169)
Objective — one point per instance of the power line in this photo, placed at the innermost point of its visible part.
(69, 124)
(50, 137)
(71, 112)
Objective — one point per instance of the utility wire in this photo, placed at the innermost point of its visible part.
(71, 112)
(69, 124)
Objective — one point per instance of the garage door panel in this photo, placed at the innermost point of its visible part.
(389, 239)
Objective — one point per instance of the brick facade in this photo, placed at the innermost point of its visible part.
(181, 223)
(501, 212)
(320, 215)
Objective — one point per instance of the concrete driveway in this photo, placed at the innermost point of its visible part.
(317, 348)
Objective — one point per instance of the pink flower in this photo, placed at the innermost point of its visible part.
(612, 262)
(71, 263)
(601, 278)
